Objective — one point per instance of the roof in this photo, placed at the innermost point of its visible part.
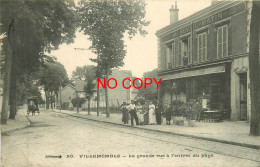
(79, 85)
(69, 85)
(127, 73)
(210, 10)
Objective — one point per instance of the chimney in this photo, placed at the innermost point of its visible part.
(174, 13)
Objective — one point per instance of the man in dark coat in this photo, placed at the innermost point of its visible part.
(168, 114)
(133, 113)
(158, 113)
(124, 113)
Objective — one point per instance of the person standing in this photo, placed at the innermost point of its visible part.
(124, 113)
(152, 119)
(146, 113)
(158, 113)
(133, 113)
(168, 114)
(139, 112)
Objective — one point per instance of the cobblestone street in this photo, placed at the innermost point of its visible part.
(83, 142)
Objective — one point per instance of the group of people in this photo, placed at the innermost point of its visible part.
(146, 114)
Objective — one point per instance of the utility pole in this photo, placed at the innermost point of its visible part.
(254, 68)
(60, 98)
(7, 76)
(98, 92)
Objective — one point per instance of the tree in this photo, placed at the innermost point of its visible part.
(87, 73)
(40, 26)
(89, 90)
(106, 22)
(51, 77)
(82, 73)
(254, 68)
(27, 87)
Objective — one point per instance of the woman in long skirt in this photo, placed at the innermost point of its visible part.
(139, 113)
(146, 113)
(152, 118)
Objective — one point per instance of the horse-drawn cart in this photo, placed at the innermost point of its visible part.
(32, 103)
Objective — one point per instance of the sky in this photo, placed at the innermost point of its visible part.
(141, 51)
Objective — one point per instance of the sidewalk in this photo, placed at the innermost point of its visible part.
(228, 132)
(19, 122)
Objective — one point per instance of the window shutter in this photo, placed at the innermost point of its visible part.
(189, 51)
(163, 57)
(224, 45)
(229, 41)
(180, 49)
(219, 41)
(173, 55)
(195, 49)
(206, 47)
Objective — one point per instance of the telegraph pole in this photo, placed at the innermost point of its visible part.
(98, 92)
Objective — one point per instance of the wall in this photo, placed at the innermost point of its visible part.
(67, 94)
(119, 94)
(239, 65)
(237, 35)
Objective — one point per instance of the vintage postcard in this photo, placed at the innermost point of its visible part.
(129, 83)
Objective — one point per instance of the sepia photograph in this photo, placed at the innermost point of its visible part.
(130, 83)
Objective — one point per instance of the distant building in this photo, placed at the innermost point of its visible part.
(116, 96)
(119, 95)
(67, 94)
(79, 88)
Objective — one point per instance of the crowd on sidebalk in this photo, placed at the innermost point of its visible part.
(146, 114)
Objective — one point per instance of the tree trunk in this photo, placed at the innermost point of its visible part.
(171, 98)
(54, 100)
(12, 95)
(98, 99)
(77, 102)
(88, 106)
(106, 97)
(254, 68)
(6, 86)
(47, 95)
(6, 89)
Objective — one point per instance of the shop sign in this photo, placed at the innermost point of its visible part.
(206, 21)
(198, 72)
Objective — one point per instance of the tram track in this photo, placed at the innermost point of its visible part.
(191, 143)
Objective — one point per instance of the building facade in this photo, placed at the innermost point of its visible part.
(206, 56)
(119, 95)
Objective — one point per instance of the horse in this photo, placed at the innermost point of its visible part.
(31, 107)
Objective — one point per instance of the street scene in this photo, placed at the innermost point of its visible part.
(129, 83)
(77, 140)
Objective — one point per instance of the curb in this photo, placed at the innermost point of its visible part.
(173, 133)
(6, 133)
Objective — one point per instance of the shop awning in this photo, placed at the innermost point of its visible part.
(194, 72)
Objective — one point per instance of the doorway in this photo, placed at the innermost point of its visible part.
(243, 96)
